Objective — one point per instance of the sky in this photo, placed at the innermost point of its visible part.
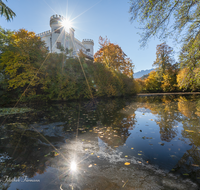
(90, 19)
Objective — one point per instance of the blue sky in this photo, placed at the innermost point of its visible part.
(91, 19)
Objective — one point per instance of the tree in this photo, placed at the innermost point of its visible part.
(4, 38)
(6, 11)
(112, 56)
(169, 82)
(166, 17)
(21, 60)
(164, 59)
(188, 77)
(151, 83)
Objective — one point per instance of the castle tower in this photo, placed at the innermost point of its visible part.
(56, 23)
(89, 45)
(57, 39)
(71, 34)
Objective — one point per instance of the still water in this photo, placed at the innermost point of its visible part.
(143, 142)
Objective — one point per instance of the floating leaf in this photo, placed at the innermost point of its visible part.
(195, 165)
(127, 163)
(92, 153)
(162, 144)
(47, 155)
(90, 166)
(139, 162)
(86, 149)
(147, 162)
(172, 170)
(132, 148)
(126, 156)
(185, 174)
(139, 154)
(56, 154)
(190, 131)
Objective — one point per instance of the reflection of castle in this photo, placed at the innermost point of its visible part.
(58, 38)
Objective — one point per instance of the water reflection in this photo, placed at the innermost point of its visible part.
(147, 132)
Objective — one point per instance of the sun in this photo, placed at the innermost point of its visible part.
(73, 166)
(66, 24)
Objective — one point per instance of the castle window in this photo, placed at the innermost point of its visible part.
(58, 45)
(88, 50)
(57, 31)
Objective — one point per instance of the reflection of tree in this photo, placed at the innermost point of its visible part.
(186, 107)
(198, 109)
(26, 150)
(22, 153)
(167, 116)
(119, 119)
(190, 163)
(114, 136)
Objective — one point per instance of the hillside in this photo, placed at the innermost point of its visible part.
(141, 73)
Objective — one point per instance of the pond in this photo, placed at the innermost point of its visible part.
(143, 142)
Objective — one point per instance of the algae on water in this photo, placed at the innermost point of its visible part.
(8, 111)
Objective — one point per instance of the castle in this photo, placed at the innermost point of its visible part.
(58, 39)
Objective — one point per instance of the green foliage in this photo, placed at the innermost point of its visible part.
(152, 83)
(27, 69)
(166, 18)
(71, 81)
(188, 77)
(164, 59)
(20, 62)
(6, 11)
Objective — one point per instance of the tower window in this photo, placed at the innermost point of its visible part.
(57, 31)
(88, 50)
(58, 45)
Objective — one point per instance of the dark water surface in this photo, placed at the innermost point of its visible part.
(150, 142)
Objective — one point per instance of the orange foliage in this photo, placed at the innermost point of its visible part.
(112, 56)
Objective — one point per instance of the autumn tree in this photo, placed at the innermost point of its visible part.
(169, 82)
(166, 18)
(189, 75)
(21, 60)
(164, 59)
(151, 83)
(112, 56)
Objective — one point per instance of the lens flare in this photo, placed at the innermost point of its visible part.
(66, 24)
(73, 166)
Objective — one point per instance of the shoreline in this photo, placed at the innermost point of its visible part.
(167, 93)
